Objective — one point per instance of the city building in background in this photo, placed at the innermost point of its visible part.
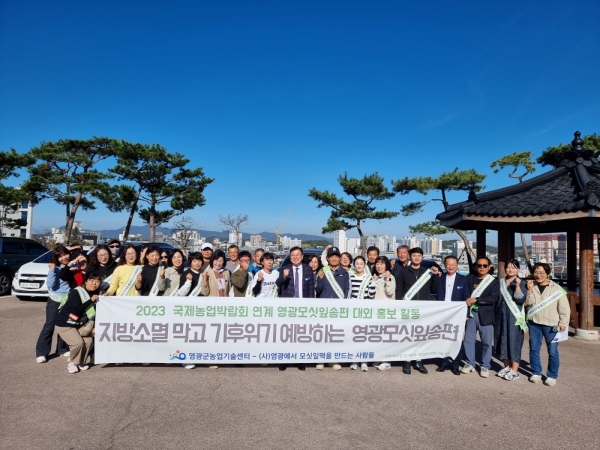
(24, 213)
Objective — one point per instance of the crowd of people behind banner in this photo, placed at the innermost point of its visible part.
(500, 310)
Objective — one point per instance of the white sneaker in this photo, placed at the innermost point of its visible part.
(72, 367)
(511, 376)
(84, 367)
(384, 366)
(484, 372)
(364, 367)
(467, 368)
(213, 367)
(550, 381)
(66, 354)
(503, 372)
(354, 366)
(189, 366)
(320, 366)
(336, 367)
(535, 378)
(40, 359)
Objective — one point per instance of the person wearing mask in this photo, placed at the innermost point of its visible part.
(418, 283)
(173, 273)
(125, 276)
(397, 266)
(57, 291)
(510, 325)
(75, 311)
(233, 252)
(296, 280)
(485, 291)
(241, 279)
(333, 281)
(255, 264)
(454, 287)
(151, 281)
(114, 246)
(101, 261)
(548, 314)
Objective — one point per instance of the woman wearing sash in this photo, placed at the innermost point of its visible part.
(314, 262)
(190, 281)
(152, 281)
(174, 272)
(385, 289)
(101, 261)
(361, 287)
(216, 280)
(72, 315)
(485, 291)
(510, 321)
(57, 291)
(126, 274)
(548, 314)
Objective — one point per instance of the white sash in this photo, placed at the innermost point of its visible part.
(334, 285)
(131, 281)
(249, 287)
(106, 283)
(84, 296)
(154, 289)
(518, 314)
(57, 296)
(197, 289)
(482, 286)
(545, 303)
(415, 288)
(362, 289)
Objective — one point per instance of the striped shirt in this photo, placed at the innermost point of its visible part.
(355, 282)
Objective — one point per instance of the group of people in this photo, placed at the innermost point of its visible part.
(500, 310)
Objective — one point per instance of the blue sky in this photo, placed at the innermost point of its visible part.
(274, 98)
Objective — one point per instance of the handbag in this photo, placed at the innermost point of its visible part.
(86, 329)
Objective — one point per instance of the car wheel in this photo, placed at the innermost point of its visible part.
(5, 282)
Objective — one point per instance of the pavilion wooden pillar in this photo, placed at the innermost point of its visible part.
(571, 259)
(586, 276)
(481, 242)
(506, 248)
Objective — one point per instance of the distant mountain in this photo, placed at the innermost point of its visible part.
(144, 230)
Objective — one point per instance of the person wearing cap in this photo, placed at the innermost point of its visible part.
(418, 283)
(206, 250)
(333, 281)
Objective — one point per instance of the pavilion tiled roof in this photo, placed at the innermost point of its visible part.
(573, 186)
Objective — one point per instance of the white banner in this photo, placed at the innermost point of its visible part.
(224, 330)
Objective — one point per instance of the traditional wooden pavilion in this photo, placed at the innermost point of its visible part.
(565, 199)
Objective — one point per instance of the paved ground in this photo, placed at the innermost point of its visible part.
(167, 407)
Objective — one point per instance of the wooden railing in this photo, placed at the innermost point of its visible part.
(573, 298)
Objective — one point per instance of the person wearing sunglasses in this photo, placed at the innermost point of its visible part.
(485, 292)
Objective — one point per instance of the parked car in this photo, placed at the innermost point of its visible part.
(30, 280)
(14, 252)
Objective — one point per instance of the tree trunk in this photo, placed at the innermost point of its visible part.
(363, 242)
(470, 253)
(71, 218)
(151, 223)
(526, 252)
(131, 214)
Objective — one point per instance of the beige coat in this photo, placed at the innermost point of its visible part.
(211, 289)
(558, 313)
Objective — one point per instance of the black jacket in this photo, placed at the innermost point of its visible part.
(409, 276)
(486, 302)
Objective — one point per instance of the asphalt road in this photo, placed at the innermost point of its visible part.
(167, 407)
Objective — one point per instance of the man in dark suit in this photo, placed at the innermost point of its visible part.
(454, 287)
(296, 280)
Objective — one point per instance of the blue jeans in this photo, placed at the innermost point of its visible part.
(44, 342)
(486, 332)
(536, 331)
